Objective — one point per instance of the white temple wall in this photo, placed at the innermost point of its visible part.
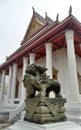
(19, 74)
(5, 88)
(19, 77)
(41, 61)
(60, 64)
(78, 61)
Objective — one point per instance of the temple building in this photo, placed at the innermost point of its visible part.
(52, 44)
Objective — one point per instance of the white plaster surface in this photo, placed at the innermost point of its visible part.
(67, 125)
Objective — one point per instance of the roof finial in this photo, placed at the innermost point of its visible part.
(6, 57)
(70, 10)
(46, 15)
(57, 16)
(46, 18)
(33, 9)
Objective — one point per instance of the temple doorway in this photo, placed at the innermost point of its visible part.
(55, 74)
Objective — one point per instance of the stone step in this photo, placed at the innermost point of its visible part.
(5, 125)
(4, 116)
(16, 118)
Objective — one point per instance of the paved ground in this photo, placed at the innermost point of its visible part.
(3, 126)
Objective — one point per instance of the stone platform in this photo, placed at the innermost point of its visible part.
(5, 125)
(24, 125)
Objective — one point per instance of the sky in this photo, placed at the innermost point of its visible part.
(15, 16)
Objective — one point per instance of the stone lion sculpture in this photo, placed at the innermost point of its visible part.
(35, 79)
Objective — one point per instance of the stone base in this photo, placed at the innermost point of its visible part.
(45, 110)
(66, 125)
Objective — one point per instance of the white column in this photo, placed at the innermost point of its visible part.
(14, 76)
(32, 58)
(49, 59)
(9, 83)
(73, 90)
(2, 85)
(25, 64)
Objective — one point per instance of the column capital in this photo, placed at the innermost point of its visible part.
(10, 67)
(15, 64)
(3, 71)
(32, 54)
(48, 46)
(32, 58)
(69, 34)
(25, 58)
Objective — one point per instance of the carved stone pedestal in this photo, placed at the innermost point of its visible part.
(44, 110)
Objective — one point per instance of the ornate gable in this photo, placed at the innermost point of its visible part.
(35, 24)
